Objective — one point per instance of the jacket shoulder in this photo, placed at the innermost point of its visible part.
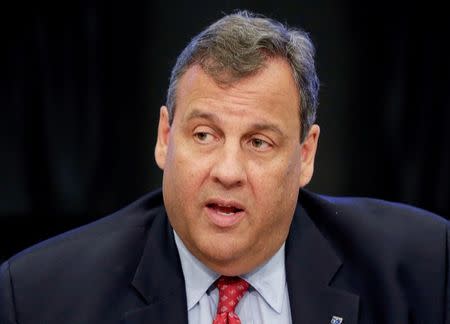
(103, 236)
(378, 228)
(390, 248)
(373, 211)
(100, 257)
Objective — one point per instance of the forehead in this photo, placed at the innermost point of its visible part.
(276, 75)
(271, 92)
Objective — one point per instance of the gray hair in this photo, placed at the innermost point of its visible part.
(239, 45)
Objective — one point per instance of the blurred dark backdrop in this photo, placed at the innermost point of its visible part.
(82, 83)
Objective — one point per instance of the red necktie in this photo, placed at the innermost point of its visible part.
(231, 290)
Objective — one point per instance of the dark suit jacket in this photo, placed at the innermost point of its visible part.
(364, 260)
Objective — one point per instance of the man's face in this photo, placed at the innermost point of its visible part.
(233, 164)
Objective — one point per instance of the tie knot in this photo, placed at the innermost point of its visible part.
(231, 290)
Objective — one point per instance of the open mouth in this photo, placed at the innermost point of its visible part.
(225, 214)
(224, 210)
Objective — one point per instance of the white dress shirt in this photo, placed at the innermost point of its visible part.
(266, 302)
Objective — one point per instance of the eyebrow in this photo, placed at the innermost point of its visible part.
(201, 114)
(212, 117)
(268, 126)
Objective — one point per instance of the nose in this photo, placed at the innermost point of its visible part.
(229, 166)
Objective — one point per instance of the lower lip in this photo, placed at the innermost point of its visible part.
(223, 220)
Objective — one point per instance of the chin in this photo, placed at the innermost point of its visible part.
(220, 252)
(226, 259)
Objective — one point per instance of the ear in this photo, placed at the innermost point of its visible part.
(308, 154)
(163, 137)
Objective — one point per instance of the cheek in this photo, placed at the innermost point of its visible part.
(184, 175)
(278, 175)
(276, 191)
(184, 162)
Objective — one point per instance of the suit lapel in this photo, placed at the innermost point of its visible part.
(311, 264)
(159, 279)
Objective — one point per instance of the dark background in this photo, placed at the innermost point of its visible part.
(82, 83)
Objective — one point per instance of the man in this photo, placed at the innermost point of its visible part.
(233, 236)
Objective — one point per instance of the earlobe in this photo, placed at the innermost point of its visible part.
(308, 154)
(162, 141)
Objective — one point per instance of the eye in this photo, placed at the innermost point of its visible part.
(203, 137)
(260, 144)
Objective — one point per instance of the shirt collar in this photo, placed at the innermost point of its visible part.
(198, 278)
(269, 279)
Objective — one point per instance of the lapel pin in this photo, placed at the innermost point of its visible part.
(336, 320)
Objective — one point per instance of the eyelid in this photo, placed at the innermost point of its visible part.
(270, 144)
(202, 129)
(263, 137)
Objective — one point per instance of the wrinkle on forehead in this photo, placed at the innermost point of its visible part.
(255, 125)
(270, 93)
(244, 86)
